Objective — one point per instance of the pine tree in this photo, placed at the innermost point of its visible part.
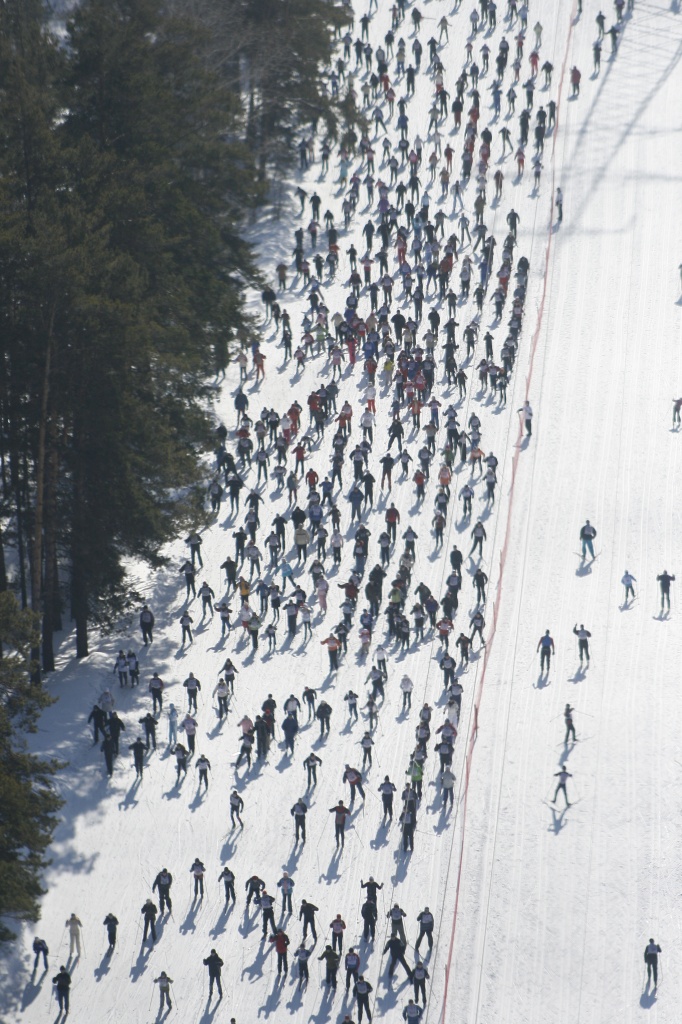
(28, 802)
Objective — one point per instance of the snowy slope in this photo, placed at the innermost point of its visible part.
(538, 917)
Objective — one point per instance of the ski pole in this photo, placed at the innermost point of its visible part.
(150, 1001)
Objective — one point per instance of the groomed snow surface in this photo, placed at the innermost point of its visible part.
(542, 914)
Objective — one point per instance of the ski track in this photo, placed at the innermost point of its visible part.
(552, 909)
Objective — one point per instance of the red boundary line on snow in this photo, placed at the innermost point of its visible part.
(503, 554)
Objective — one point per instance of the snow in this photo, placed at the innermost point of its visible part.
(541, 913)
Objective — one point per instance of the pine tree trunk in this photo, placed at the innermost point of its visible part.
(39, 507)
(79, 586)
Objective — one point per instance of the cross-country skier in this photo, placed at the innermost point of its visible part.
(587, 535)
(651, 960)
(546, 648)
(62, 983)
(562, 776)
(583, 641)
(111, 924)
(628, 582)
(164, 983)
(664, 581)
(570, 728)
(163, 882)
(215, 966)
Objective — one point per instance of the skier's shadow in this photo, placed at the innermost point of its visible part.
(402, 859)
(580, 674)
(557, 822)
(584, 569)
(32, 989)
(198, 800)
(255, 970)
(220, 925)
(189, 924)
(103, 969)
(541, 682)
(332, 872)
(648, 997)
(209, 1014)
(140, 965)
(294, 856)
(130, 800)
(272, 1002)
(229, 849)
(381, 838)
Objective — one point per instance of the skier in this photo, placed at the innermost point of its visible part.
(310, 764)
(396, 949)
(40, 949)
(387, 789)
(587, 536)
(559, 203)
(149, 911)
(420, 976)
(628, 582)
(332, 965)
(286, 884)
(302, 955)
(354, 779)
(236, 807)
(352, 965)
(546, 648)
(62, 983)
(426, 924)
(570, 728)
(203, 766)
(226, 876)
(368, 912)
(147, 625)
(215, 966)
(562, 776)
(340, 813)
(395, 916)
(412, 1012)
(307, 915)
(361, 991)
(651, 960)
(298, 813)
(164, 983)
(527, 413)
(138, 748)
(111, 924)
(163, 882)
(108, 748)
(664, 581)
(75, 928)
(338, 927)
(281, 941)
(583, 642)
(198, 871)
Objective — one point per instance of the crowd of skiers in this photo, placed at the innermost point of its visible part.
(423, 264)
